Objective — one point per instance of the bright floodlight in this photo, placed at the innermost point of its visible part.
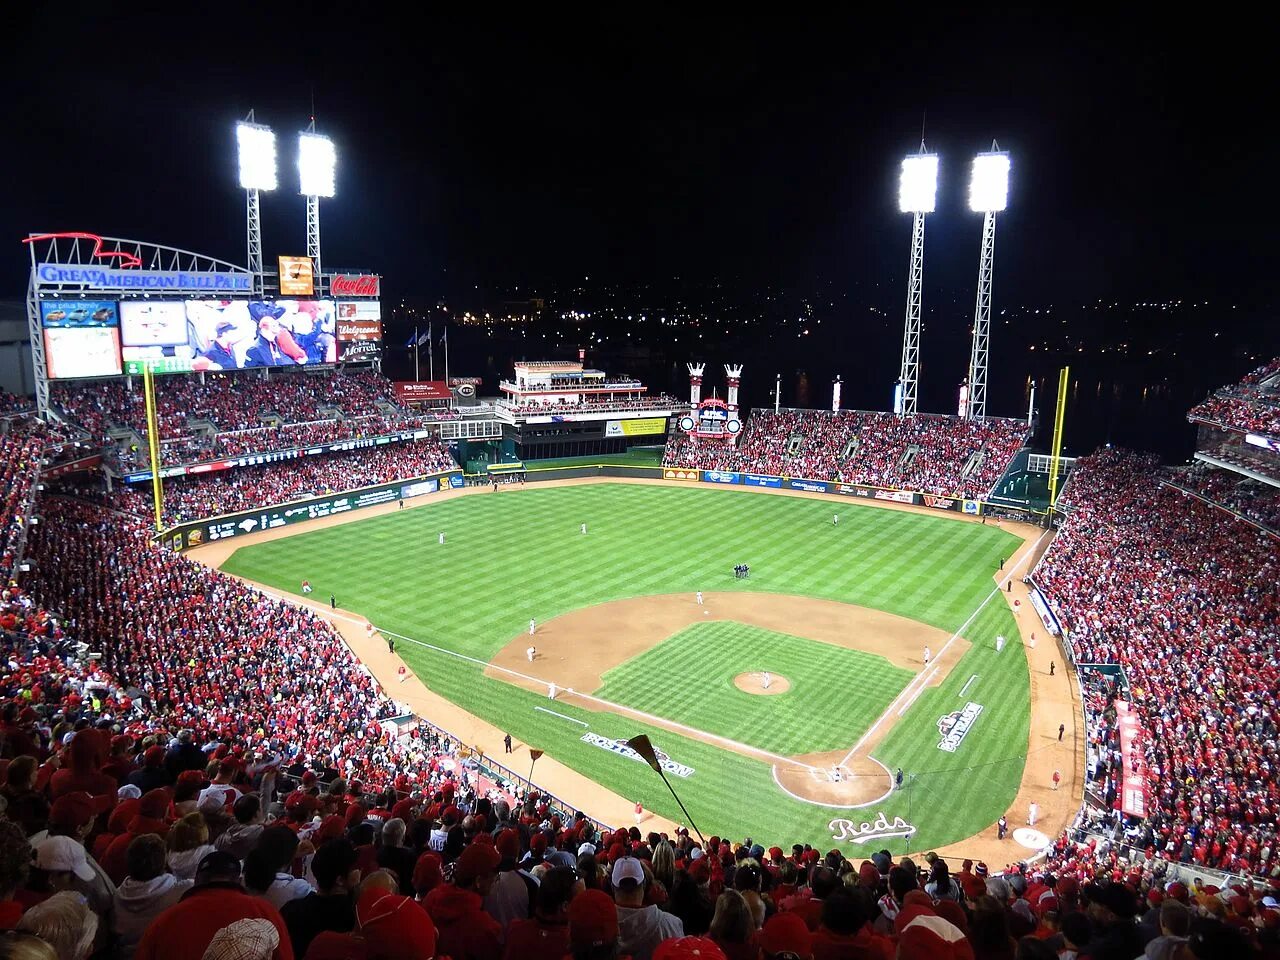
(316, 162)
(257, 156)
(918, 186)
(989, 188)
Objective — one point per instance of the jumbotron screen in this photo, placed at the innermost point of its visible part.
(178, 336)
(81, 338)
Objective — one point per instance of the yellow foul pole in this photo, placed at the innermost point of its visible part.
(153, 443)
(1058, 417)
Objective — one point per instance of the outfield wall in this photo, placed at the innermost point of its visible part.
(199, 532)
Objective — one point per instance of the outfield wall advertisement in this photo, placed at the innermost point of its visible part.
(205, 531)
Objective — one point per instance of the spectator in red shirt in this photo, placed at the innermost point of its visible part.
(465, 931)
(545, 936)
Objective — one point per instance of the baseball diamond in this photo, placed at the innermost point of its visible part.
(843, 612)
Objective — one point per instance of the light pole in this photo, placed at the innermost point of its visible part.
(256, 146)
(988, 195)
(917, 195)
(317, 161)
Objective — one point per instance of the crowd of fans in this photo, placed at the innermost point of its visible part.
(1186, 598)
(941, 455)
(1252, 405)
(286, 436)
(194, 497)
(1259, 502)
(231, 401)
(589, 404)
(11, 403)
(22, 445)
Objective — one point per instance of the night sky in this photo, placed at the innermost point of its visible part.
(657, 147)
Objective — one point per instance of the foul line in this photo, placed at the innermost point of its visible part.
(562, 716)
(616, 707)
(921, 680)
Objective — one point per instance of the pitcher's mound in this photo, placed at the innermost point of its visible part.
(754, 683)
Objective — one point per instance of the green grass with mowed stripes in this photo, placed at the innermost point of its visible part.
(517, 554)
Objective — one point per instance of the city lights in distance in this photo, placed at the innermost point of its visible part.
(918, 184)
(989, 185)
(317, 161)
(257, 149)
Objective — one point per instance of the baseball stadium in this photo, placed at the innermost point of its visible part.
(253, 580)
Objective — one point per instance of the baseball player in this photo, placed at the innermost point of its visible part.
(533, 626)
(639, 812)
(531, 653)
(835, 519)
(767, 679)
(1033, 813)
(699, 596)
(306, 586)
(928, 654)
(584, 528)
(999, 643)
(551, 691)
(442, 538)
(1033, 639)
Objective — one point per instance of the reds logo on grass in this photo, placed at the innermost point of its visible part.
(621, 749)
(954, 727)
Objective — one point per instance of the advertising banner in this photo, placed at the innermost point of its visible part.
(679, 473)
(154, 281)
(297, 278)
(872, 493)
(809, 486)
(972, 507)
(236, 525)
(78, 313)
(355, 285)
(1133, 788)
(939, 503)
(721, 476)
(456, 481)
(757, 480)
(641, 427)
(359, 329)
(419, 488)
(416, 391)
(460, 381)
(1046, 615)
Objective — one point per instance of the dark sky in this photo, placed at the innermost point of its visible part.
(643, 148)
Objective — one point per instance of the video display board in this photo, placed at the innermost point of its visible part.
(81, 338)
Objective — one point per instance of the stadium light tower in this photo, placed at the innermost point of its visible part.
(988, 195)
(317, 161)
(917, 195)
(257, 150)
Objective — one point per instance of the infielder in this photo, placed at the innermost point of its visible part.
(551, 691)
(928, 654)
(767, 679)
(532, 626)
(531, 653)
(699, 596)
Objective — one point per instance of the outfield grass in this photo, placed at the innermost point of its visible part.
(835, 693)
(518, 554)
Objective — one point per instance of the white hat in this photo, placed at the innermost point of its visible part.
(63, 854)
(586, 848)
(695, 853)
(129, 791)
(627, 868)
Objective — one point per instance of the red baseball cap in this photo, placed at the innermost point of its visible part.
(395, 927)
(74, 810)
(686, 948)
(786, 933)
(593, 919)
(477, 860)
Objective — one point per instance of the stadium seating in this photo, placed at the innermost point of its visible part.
(1259, 502)
(21, 449)
(231, 491)
(940, 455)
(1252, 405)
(1186, 598)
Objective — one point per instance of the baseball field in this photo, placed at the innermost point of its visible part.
(837, 615)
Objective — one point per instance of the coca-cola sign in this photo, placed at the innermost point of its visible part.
(355, 285)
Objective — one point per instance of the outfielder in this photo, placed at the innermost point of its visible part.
(835, 519)
(442, 538)
(584, 528)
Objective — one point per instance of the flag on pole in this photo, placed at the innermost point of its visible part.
(413, 340)
(444, 337)
(426, 337)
